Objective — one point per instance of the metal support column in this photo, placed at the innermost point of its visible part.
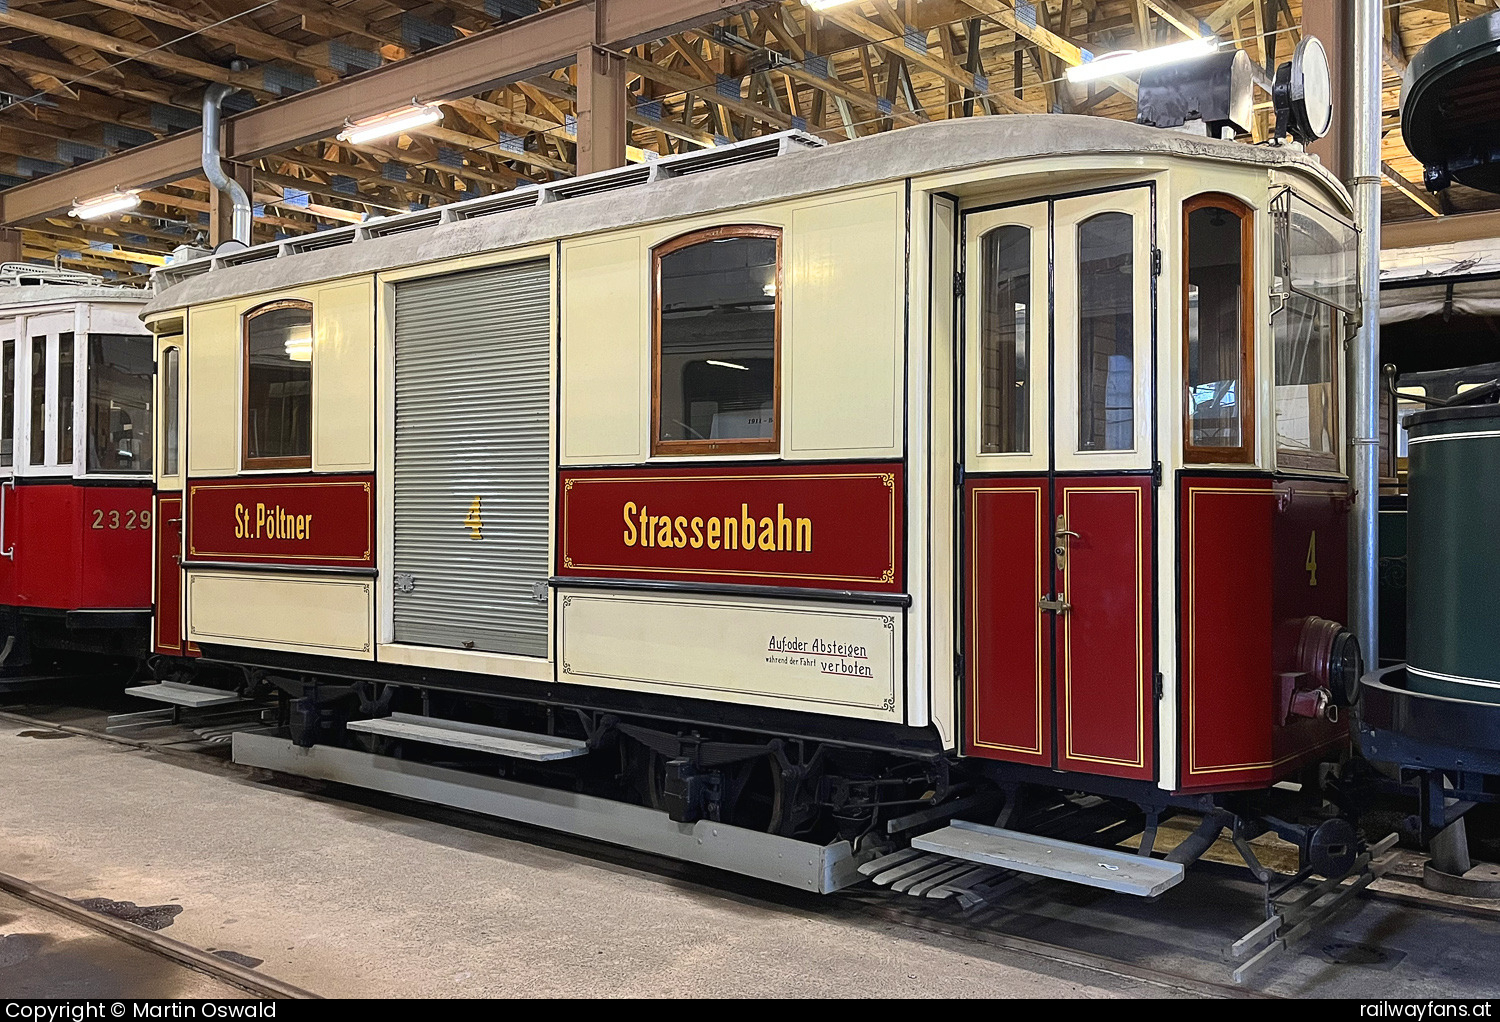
(601, 110)
(1364, 354)
(221, 206)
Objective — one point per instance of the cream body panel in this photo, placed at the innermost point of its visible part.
(841, 361)
(213, 366)
(302, 614)
(942, 550)
(919, 277)
(844, 340)
(718, 649)
(606, 345)
(344, 377)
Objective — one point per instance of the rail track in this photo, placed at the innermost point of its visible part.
(184, 955)
(862, 905)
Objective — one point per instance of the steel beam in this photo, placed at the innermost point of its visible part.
(486, 60)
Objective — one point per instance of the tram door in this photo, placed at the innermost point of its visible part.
(1057, 509)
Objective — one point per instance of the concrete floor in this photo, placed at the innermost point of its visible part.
(349, 900)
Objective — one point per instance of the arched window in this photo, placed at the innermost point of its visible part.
(1218, 330)
(716, 383)
(278, 386)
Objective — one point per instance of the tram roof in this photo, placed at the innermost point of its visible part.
(562, 210)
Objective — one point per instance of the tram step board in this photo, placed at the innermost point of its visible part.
(194, 696)
(476, 737)
(1060, 860)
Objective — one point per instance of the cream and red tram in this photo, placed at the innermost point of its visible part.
(75, 475)
(791, 486)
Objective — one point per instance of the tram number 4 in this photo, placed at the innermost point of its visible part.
(114, 520)
(474, 520)
(1311, 564)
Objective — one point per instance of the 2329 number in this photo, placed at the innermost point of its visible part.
(115, 520)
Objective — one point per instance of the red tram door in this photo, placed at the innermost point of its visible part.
(1058, 496)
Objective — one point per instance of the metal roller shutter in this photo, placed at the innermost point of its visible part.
(472, 398)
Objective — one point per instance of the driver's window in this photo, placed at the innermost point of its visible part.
(718, 327)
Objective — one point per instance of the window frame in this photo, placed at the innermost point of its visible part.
(170, 406)
(713, 448)
(247, 463)
(1244, 452)
(1323, 463)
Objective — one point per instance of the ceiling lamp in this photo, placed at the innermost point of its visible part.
(1126, 61)
(104, 205)
(392, 122)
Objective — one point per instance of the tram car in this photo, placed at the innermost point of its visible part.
(803, 489)
(76, 477)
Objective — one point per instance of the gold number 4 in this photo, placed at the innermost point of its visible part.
(1312, 559)
(474, 521)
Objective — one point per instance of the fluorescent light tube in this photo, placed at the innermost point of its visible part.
(393, 122)
(1126, 61)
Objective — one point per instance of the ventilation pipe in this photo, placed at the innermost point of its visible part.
(1364, 355)
(212, 98)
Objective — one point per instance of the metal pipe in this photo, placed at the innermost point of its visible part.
(1364, 353)
(212, 97)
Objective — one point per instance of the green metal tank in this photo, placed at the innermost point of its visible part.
(1453, 553)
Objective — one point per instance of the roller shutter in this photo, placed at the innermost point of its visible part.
(473, 472)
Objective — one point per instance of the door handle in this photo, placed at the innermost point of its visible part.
(1056, 604)
(1059, 542)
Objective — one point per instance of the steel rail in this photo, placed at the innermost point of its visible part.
(185, 955)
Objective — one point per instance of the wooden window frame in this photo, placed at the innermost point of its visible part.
(248, 463)
(688, 448)
(1244, 453)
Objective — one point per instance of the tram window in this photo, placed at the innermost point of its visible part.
(1324, 254)
(278, 386)
(717, 330)
(1006, 341)
(119, 420)
(1219, 330)
(1306, 395)
(7, 403)
(1106, 333)
(38, 400)
(65, 399)
(171, 394)
(1314, 255)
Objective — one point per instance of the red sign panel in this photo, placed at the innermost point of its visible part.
(808, 526)
(298, 520)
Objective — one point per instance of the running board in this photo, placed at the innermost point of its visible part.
(475, 737)
(1107, 868)
(783, 860)
(194, 696)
